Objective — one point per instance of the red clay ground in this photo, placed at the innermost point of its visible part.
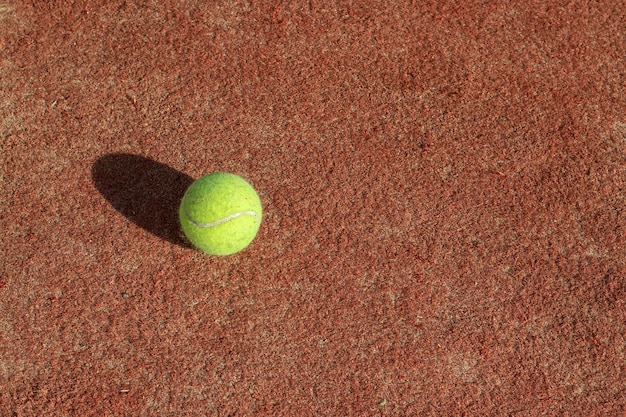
(444, 186)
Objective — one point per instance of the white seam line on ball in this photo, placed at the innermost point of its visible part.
(220, 221)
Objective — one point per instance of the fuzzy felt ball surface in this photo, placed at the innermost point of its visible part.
(220, 213)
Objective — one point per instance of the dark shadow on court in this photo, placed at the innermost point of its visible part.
(146, 192)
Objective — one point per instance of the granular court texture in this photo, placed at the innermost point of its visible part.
(444, 194)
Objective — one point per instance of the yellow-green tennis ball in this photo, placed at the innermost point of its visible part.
(220, 213)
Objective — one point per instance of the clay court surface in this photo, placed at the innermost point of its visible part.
(444, 195)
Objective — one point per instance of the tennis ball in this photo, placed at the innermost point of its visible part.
(220, 213)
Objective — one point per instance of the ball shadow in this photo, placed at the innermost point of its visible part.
(146, 192)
